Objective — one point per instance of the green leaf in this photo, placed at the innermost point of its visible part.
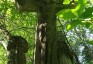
(73, 13)
(66, 14)
(87, 25)
(90, 42)
(69, 27)
(79, 8)
(73, 24)
(87, 13)
(69, 15)
(66, 2)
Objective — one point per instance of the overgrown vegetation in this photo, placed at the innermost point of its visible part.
(76, 23)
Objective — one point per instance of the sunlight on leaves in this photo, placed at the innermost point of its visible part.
(66, 2)
(79, 8)
(66, 14)
(8, 12)
(68, 27)
(73, 24)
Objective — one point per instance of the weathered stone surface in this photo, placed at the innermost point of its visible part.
(29, 5)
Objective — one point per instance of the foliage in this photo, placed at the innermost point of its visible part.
(78, 24)
(73, 20)
(17, 24)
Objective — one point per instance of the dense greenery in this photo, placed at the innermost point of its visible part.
(77, 24)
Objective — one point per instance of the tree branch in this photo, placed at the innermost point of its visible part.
(22, 28)
(65, 6)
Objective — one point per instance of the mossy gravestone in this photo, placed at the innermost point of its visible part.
(17, 47)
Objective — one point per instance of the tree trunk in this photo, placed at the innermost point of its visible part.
(46, 50)
(46, 44)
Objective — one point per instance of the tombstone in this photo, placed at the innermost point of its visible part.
(17, 47)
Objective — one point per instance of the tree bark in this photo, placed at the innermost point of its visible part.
(46, 44)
